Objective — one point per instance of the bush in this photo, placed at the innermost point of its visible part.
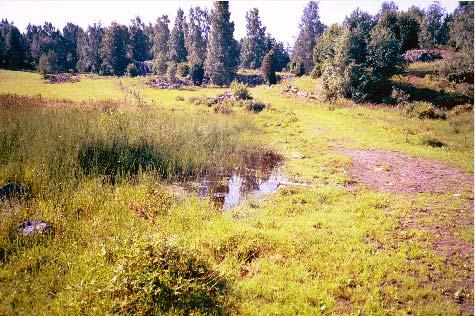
(197, 74)
(159, 66)
(463, 108)
(432, 142)
(296, 68)
(171, 72)
(316, 72)
(423, 110)
(458, 68)
(268, 68)
(240, 91)
(255, 106)
(361, 67)
(161, 277)
(400, 96)
(224, 108)
(132, 70)
(48, 63)
(183, 69)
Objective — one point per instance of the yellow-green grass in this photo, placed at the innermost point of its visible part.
(305, 250)
(31, 84)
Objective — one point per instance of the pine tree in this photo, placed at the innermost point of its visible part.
(89, 49)
(176, 44)
(114, 50)
(222, 54)
(196, 35)
(310, 30)
(253, 46)
(139, 45)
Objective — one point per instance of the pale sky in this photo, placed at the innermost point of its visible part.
(280, 17)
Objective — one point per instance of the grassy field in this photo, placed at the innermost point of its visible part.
(311, 250)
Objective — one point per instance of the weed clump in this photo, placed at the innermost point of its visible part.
(255, 106)
(240, 91)
(162, 277)
(423, 110)
(432, 142)
(224, 108)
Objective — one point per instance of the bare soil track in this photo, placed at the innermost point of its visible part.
(397, 173)
(394, 172)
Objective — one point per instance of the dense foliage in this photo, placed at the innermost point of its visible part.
(361, 64)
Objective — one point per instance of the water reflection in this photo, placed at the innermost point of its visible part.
(261, 175)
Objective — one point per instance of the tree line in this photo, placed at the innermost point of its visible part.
(355, 58)
(203, 39)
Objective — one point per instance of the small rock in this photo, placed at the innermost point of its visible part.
(31, 228)
(459, 295)
(297, 156)
(11, 190)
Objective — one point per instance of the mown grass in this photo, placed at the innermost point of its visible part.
(305, 250)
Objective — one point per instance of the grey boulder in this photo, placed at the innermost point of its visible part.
(33, 228)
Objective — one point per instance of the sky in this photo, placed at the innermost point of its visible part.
(280, 17)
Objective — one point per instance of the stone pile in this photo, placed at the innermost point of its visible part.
(293, 91)
(165, 84)
(62, 78)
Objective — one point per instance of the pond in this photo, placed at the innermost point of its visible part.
(260, 175)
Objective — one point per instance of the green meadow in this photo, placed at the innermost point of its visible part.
(102, 156)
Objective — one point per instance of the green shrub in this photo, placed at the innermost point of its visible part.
(48, 63)
(159, 66)
(183, 69)
(296, 68)
(240, 91)
(171, 72)
(224, 108)
(268, 68)
(255, 106)
(458, 68)
(132, 70)
(197, 74)
(432, 142)
(161, 277)
(423, 110)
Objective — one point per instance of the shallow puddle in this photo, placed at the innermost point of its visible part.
(261, 176)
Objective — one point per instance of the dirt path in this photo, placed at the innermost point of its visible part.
(394, 172)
